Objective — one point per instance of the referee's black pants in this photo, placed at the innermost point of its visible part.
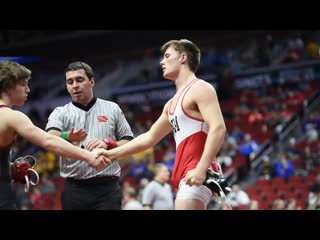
(100, 193)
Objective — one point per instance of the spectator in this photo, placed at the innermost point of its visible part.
(249, 146)
(224, 160)
(291, 204)
(253, 205)
(130, 201)
(266, 168)
(237, 197)
(255, 116)
(284, 168)
(278, 204)
(314, 195)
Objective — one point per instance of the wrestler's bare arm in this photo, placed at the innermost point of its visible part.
(210, 110)
(25, 128)
(205, 97)
(159, 130)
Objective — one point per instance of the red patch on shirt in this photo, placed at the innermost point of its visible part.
(103, 118)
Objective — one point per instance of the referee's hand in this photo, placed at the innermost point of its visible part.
(78, 135)
(95, 143)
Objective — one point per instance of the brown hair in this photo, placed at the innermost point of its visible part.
(11, 73)
(185, 46)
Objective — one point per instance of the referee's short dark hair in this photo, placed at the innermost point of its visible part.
(80, 65)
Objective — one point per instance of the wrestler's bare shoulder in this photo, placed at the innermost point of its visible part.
(11, 113)
(203, 85)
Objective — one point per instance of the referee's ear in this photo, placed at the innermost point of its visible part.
(92, 81)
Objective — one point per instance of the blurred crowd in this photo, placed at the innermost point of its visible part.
(287, 178)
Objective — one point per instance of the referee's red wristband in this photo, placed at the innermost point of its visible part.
(111, 143)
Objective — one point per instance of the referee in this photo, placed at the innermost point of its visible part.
(91, 123)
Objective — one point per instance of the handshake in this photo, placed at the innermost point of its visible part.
(99, 148)
(98, 157)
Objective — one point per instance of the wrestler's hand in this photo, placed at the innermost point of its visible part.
(100, 162)
(95, 143)
(14, 166)
(77, 136)
(195, 177)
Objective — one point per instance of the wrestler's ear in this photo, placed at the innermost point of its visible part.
(183, 57)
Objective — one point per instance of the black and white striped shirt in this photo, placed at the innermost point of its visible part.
(101, 119)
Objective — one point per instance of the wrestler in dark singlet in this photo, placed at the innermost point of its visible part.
(7, 196)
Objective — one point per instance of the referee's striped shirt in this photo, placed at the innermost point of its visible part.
(101, 119)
